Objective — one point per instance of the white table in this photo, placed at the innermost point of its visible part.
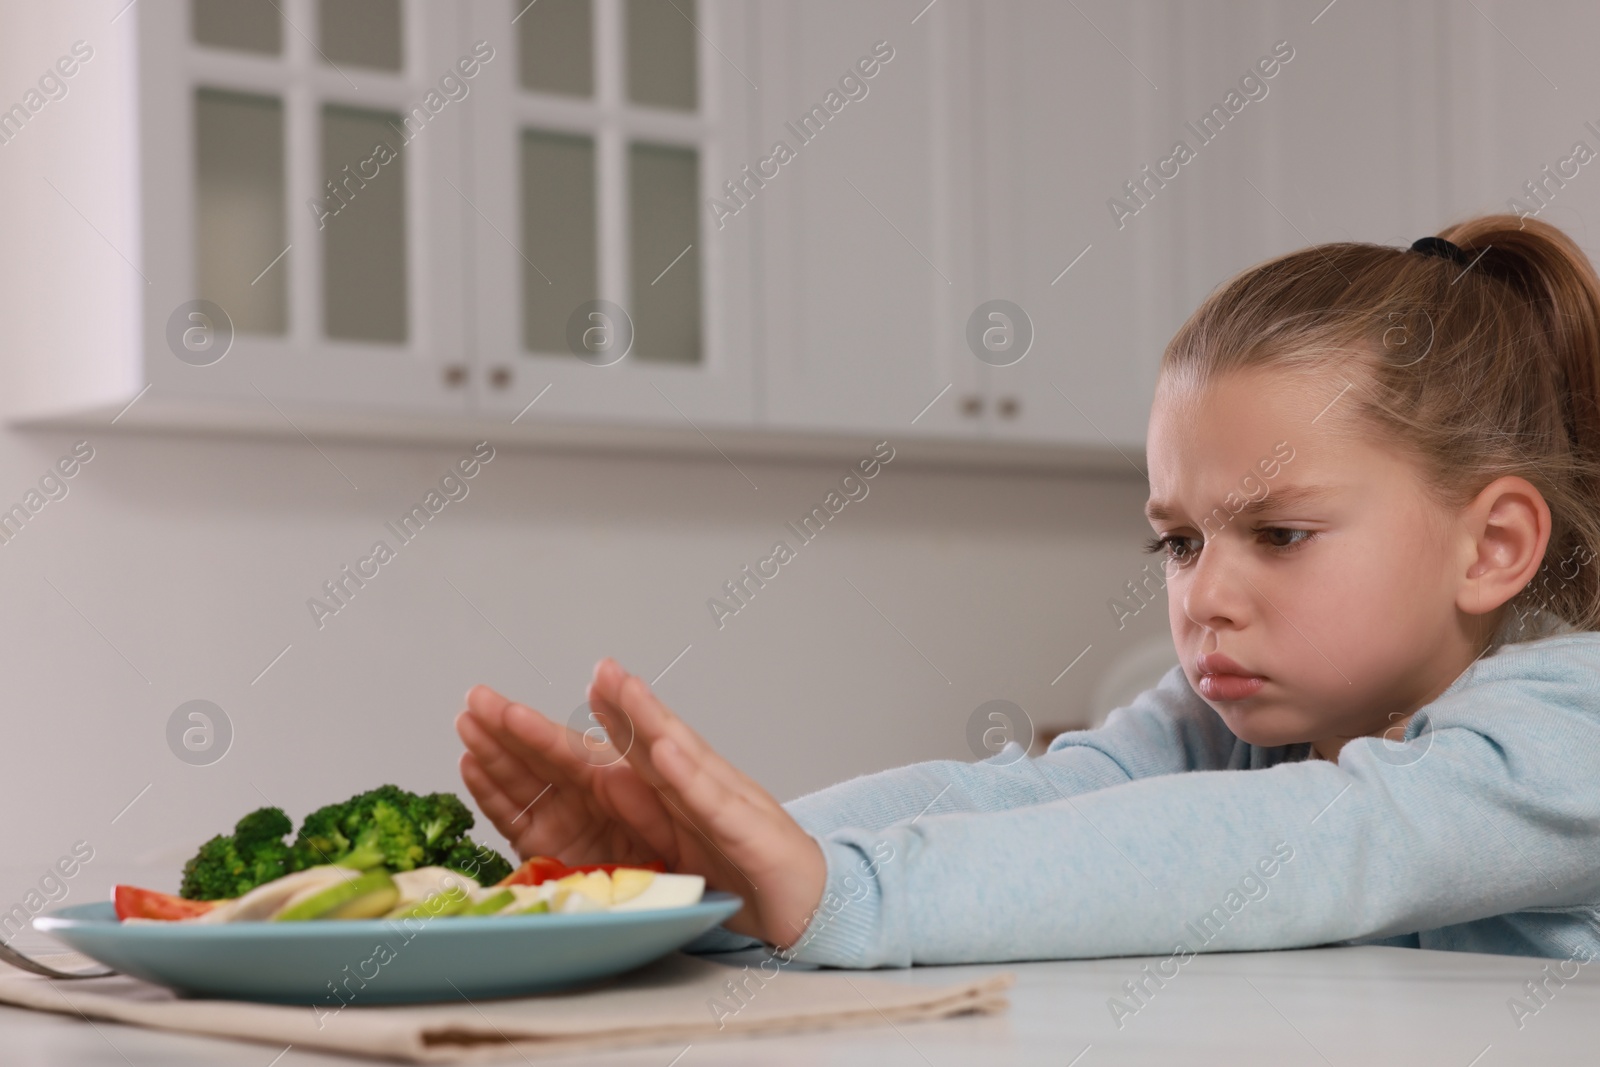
(1363, 1007)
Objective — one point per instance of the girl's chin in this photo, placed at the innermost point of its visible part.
(1267, 727)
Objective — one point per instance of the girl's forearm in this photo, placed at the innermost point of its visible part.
(1164, 730)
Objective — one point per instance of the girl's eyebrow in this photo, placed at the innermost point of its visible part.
(1286, 496)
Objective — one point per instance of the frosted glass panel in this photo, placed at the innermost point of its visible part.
(363, 33)
(241, 226)
(555, 46)
(248, 25)
(363, 225)
(663, 182)
(559, 268)
(661, 67)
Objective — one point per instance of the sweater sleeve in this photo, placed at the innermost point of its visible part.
(1165, 730)
(1484, 808)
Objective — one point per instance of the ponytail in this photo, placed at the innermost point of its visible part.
(1548, 270)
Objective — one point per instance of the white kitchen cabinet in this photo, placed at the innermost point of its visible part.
(350, 207)
(1337, 143)
(866, 232)
(594, 157)
(977, 169)
(288, 169)
(1075, 101)
(306, 192)
(1346, 144)
(785, 300)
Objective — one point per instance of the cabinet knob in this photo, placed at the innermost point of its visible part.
(500, 377)
(455, 375)
(971, 406)
(1008, 407)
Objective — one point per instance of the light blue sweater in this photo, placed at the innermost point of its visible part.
(1161, 833)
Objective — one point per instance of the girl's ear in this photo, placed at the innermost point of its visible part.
(1506, 527)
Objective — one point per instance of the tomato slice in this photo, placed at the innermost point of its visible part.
(135, 903)
(536, 870)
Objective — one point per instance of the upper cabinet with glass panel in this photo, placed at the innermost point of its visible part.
(304, 168)
(442, 205)
(360, 206)
(397, 206)
(594, 169)
(560, 175)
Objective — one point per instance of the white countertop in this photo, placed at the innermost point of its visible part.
(1344, 1006)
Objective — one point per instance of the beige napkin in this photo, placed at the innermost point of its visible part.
(671, 1001)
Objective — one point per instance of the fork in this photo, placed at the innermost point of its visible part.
(27, 963)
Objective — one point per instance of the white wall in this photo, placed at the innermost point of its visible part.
(193, 557)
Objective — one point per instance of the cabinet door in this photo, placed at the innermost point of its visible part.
(297, 169)
(1074, 105)
(867, 224)
(1092, 167)
(604, 289)
(1346, 141)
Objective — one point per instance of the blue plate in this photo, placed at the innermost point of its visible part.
(332, 963)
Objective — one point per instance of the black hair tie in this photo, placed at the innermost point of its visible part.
(1438, 246)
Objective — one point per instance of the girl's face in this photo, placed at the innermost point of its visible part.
(1308, 558)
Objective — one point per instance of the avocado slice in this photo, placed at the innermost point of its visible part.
(536, 908)
(489, 904)
(434, 906)
(366, 897)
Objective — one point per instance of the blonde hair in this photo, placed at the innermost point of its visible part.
(1473, 372)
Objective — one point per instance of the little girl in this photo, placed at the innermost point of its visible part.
(1375, 479)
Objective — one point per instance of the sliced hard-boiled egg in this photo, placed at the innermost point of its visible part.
(629, 882)
(582, 892)
(664, 891)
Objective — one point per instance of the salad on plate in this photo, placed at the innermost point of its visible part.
(388, 854)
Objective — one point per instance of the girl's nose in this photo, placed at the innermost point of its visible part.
(1217, 592)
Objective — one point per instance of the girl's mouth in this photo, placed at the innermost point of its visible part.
(1230, 686)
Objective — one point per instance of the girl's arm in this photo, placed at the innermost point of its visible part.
(1488, 807)
(1165, 730)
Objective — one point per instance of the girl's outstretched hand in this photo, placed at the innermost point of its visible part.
(543, 787)
(658, 792)
(721, 823)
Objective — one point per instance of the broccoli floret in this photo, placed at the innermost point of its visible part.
(368, 830)
(231, 866)
(320, 839)
(264, 824)
(476, 861)
(386, 826)
(443, 819)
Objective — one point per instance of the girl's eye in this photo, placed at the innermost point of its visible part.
(1272, 531)
(1172, 546)
(1178, 553)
